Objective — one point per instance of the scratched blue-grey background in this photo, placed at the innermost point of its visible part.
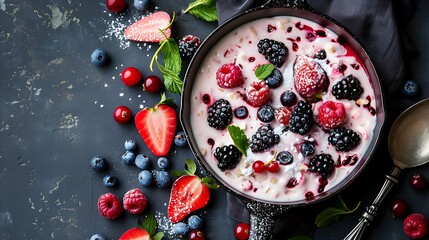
(56, 113)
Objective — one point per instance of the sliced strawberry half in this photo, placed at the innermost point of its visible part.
(152, 28)
(135, 234)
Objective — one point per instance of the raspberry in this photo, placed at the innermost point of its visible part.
(109, 206)
(258, 93)
(309, 77)
(282, 115)
(331, 115)
(188, 45)
(229, 76)
(134, 201)
(415, 225)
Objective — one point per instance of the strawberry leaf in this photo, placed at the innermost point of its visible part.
(300, 238)
(178, 173)
(332, 214)
(149, 224)
(158, 236)
(210, 183)
(204, 9)
(264, 70)
(166, 101)
(190, 167)
(239, 138)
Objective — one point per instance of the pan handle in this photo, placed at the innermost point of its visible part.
(288, 3)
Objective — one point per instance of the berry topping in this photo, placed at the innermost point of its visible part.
(344, 139)
(115, 5)
(229, 76)
(322, 164)
(331, 115)
(228, 157)
(110, 181)
(196, 234)
(418, 182)
(135, 234)
(288, 98)
(180, 139)
(141, 5)
(98, 57)
(284, 157)
(188, 45)
(122, 114)
(309, 77)
(98, 163)
(282, 115)
(109, 206)
(273, 167)
(307, 148)
(266, 113)
(219, 115)
(301, 119)
(415, 225)
(152, 84)
(275, 79)
(264, 139)
(145, 178)
(275, 52)
(131, 76)
(135, 201)
(257, 93)
(148, 28)
(410, 88)
(321, 54)
(162, 179)
(258, 166)
(242, 231)
(241, 112)
(399, 208)
(195, 222)
(348, 88)
(181, 229)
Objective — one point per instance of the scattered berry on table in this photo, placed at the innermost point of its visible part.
(257, 93)
(196, 234)
(415, 225)
(135, 233)
(273, 167)
(188, 46)
(274, 51)
(322, 164)
(344, 139)
(162, 179)
(282, 115)
(130, 144)
(148, 28)
(332, 115)
(135, 201)
(265, 113)
(97, 237)
(131, 76)
(195, 222)
(142, 161)
(307, 148)
(163, 162)
(241, 112)
(284, 157)
(228, 157)
(288, 98)
(399, 208)
(122, 114)
(142, 5)
(219, 115)
(180, 139)
(181, 229)
(242, 231)
(229, 76)
(110, 181)
(410, 88)
(309, 77)
(301, 119)
(145, 178)
(98, 163)
(152, 84)
(263, 139)
(275, 79)
(418, 182)
(115, 5)
(258, 166)
(348, 88)
(98, 57)
(109, 206)
(128, 157)
(321, 54)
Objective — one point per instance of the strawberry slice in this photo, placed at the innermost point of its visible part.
(157, 126)
(152, 28)
(135, 234)
(309, 77)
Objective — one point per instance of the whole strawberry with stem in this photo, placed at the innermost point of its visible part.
(189, 192)
(309, 77)
(146, 230)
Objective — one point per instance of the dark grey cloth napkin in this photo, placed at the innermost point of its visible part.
(380, 27)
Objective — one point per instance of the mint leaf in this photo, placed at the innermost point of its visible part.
(158, 236)
(332, 214)
(210, 183)
(300, 238)
(166, 101)
(149, 224)
(264, 70)
(190, 167)
(204, 9)
(172, 60)
(341, 204)
(239, 138)
(172, 81)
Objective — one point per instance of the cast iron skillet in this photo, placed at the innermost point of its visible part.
(263, 213)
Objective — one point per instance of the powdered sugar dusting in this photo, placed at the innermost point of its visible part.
(164, 224)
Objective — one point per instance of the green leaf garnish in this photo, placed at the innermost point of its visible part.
(239, 138)
(150, 225)
(166, 101)
(172, 81)
(158, 236)
(210, 183)
(190, 167)
(300, 238)
(264, 70)
(178, 173)
(332, 214)
(204, 9)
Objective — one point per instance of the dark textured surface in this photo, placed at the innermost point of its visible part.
(56, 113)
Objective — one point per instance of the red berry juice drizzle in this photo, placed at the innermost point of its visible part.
(211, 142)
(271, 28)
(292, 183)
(206, 99)
(323, 182)
(251, 59)
(368, 106)
(350, 160)
(309, 195)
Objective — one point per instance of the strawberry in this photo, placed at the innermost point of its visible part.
(157, 126)
(146, 230)
(135, 234)
(309, 77)
(152, 28)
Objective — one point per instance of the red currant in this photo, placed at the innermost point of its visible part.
(418, 182)
(242, 231)
(122, 114)
(152, 84)
(131, 76)
(258, 166)
(115, 5)
(196, 234)
(399, 208)
(273, 167)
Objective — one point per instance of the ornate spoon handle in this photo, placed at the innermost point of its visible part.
(370, 212)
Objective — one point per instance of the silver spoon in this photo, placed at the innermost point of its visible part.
(409, 147)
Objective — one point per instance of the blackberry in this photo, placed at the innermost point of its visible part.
(321, 54)
(188, 45)
(344, 139)
(275, 79)
(219, 114)
(322, 164)
(266, 113)
(348, 88)
(275, 52)
(284, 158)
(301, 119)
(264, 139)
(228, 157)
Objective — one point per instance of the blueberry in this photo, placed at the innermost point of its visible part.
(98, 57)
(130, 144)
(110, 181)
(321, 54)
(181, 229)
(195, 222)
(128, 157)
(275, 79)
(143, 162)
(307, 148)
(145, 178)
(241, 112)
(410, 88)
(98, 163)
(266, 113)
(162, 179)
(180, 139)
(141, 4)
(97, 237)
(163, 162)
(288, 98)
(284, 158)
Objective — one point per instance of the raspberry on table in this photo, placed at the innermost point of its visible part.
(322, 164)
(188, 45)
(257, 93)
(344, 139)
(309, 77)
(274, 51)
(264, 138)
(228, 157)
(331, 115)
(415, 225)
(348, 88)
(219, 115)
(301, 119)
(135, 201)
(229, 76)
(109, 206)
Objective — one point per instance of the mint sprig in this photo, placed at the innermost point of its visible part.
(264, 70)
(150, 225)
(333, 214)
(239, 138)
(204, 9)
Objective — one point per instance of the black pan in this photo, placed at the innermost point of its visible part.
(263, 213)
